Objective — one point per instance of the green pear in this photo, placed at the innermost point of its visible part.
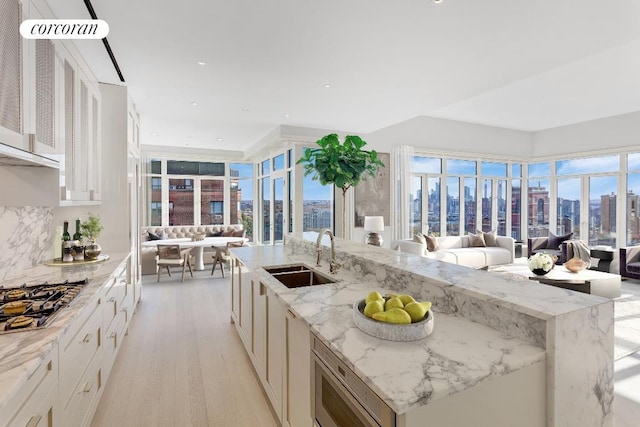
(395, 315)
(417, 310)
(373, 296)
(393, 303)
(406, 299)
(374, 307)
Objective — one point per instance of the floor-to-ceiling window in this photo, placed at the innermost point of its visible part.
(424, 212)
(241, 186)
(538, 199)
(516, 201)
(587, 198)
(632, 199)
(317, 205)
(276, 197)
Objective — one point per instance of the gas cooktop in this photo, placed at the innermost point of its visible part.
(32, 307)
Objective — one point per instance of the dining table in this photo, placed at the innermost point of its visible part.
(197, 245)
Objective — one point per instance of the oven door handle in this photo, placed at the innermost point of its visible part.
(345, 392)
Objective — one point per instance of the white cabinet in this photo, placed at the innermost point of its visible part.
(297, 373)
(259, 339)
(117, 311)
(275, 352)
(37, 399)
(236, 272)
(245, 322)
(12, 88)
(80, 129)
(278, 344)
(80, 359)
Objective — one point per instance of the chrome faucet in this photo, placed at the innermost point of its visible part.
(333, 265)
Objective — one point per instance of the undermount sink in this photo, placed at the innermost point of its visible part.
(299, 275)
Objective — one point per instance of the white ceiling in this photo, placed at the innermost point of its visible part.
(518, 64)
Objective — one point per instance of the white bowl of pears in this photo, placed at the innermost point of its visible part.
(394, 317)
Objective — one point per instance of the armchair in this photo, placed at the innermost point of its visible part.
(630, 262)
(541, 244)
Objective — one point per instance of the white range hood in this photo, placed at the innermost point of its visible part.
(10, 156)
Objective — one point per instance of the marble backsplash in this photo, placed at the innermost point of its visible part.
(25, 238)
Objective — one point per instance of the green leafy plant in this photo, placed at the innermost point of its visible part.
(92, 227)
(342, 164)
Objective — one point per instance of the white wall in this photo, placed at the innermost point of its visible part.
(604, 134)
(451, 136)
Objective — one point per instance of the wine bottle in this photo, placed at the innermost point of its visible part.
(65, 233)
(77, 235)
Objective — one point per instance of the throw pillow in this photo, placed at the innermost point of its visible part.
(432, 242)
(238, 233)
(554, 242)
(163, 235)
(153, 236)
(490, 237)
(476, 240)
(419, 238)
(228, 233)
(214, 234)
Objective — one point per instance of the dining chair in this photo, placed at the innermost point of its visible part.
(223, 256)
(171, 256)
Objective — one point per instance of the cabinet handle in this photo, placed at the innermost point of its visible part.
(34, 421)
(86, 389)
(112, 299)
(262, 289)
(112, 335)
(86, 338)
(291, 314)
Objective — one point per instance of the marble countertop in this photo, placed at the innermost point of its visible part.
(458, 354)
(22, 352)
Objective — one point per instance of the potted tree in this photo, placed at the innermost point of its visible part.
(91, 229)
(342, 164)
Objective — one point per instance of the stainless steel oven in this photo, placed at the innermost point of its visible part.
(340, 398)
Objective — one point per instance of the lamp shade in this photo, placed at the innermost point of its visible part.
(374, 223)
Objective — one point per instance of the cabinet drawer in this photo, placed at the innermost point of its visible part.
(73, 329)
(41, 410)
(113, 299)
(81, 404)
(74, 361)
(112, 341)
(38, 384)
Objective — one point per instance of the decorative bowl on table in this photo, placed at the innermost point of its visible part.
(391, 331)
(575, 265)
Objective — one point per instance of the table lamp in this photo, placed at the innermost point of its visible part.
(374, 225)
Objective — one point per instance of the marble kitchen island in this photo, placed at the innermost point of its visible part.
(490, 335)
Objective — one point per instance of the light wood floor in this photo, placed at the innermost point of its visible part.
(182, 363)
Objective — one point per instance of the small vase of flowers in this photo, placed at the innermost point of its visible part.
(541, 263)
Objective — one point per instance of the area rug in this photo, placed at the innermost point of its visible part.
(626, 313)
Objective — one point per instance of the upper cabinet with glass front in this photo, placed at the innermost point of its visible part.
(50, 102)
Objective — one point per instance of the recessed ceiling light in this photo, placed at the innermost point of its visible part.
(219, 139)
(154, 134)
(194, 103)
(327, 85)
(202, 63)
(437, 1)
(287, 115)
(245, 109)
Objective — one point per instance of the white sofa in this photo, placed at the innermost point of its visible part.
(148, 255)
(456, 250)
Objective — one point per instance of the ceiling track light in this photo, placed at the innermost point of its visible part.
(93, 15)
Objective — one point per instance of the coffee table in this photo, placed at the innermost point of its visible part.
(587, 281)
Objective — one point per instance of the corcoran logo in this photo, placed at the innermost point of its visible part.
(64, 29)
